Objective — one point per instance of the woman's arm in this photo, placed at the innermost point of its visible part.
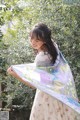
(14, 74)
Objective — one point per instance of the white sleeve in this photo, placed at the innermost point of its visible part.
(43, 59)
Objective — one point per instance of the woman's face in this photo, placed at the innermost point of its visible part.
(36, 44)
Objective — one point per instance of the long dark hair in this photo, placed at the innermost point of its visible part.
(43, 33)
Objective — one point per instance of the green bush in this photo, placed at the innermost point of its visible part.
(63, 19)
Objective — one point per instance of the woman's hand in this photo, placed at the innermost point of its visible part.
(11, 72)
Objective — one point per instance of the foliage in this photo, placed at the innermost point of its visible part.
(18, 17)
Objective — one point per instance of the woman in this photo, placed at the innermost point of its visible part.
(45, 107)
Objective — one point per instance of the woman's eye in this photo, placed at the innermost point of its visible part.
(34, 40)
(37, 40)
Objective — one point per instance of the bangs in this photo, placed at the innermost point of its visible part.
(36, 34)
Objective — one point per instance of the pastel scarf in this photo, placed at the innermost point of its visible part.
(55, 80)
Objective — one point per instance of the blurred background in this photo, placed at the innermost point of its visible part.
(17, 17)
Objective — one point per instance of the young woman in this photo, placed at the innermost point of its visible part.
(45, 107)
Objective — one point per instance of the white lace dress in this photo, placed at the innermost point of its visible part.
(46, 107)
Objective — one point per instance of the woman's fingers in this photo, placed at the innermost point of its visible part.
(9, 70)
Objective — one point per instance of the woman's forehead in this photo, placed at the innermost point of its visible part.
(33, 36)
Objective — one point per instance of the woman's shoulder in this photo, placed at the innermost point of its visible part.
(43, 59)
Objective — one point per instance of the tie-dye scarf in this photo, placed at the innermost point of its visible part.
(56, 80)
